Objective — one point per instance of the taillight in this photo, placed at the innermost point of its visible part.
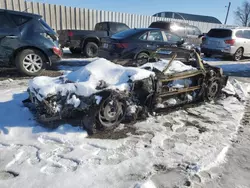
(57, 51)
(203, 39)
(121, 45)
(231, 42)
(70, 34)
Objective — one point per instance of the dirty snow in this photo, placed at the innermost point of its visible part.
(164, 147)
(86, 79)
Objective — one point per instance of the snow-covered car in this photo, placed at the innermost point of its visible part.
(104, 94)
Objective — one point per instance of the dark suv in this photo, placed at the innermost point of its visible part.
(27, 42)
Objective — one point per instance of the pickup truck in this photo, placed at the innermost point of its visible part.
(88, 41)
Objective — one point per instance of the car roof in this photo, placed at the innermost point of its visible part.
(21, 13)
(111, 22)
(147, 29)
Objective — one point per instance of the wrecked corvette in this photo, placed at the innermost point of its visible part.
(102, 94)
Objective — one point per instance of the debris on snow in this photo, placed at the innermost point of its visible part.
(236, 88)
(74, 101)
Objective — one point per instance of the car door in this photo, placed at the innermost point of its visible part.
(9, 35)
(153, 40)
(171, 44)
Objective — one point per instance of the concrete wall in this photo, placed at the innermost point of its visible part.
(64, 17)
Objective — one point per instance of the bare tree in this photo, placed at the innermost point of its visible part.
(242, 14)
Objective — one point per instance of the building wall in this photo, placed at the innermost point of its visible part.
(65, 17)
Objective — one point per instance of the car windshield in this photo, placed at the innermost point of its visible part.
(219, 33)
(125, 34)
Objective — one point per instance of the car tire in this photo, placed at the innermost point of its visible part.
(238, 54)
(213, 89)
(111, 112)
(142, 58)
(91, 49)
(30, 62)
(207, 55)
(75, 50)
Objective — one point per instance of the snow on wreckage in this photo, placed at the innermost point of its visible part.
(104, 94)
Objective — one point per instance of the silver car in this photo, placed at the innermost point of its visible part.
(234, 42)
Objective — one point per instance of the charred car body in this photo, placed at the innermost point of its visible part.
(105, 101)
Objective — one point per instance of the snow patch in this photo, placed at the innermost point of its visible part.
(74, 101)
(98, 99)
(175, 67)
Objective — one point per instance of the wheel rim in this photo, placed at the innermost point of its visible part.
(32, 63)
(92, 51)
(141, 59)
(111, 112)
(238, 54)
(213, 90)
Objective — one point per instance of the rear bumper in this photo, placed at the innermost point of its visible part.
(54, 59)
(215, 52)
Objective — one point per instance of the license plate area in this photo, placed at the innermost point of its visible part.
(105, 45)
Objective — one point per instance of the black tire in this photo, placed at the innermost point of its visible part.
(27, 67)
(142, 58)
(238, 54)
(213, 89)
(91, 49)
(75, 50)
(207, 55)
(111, 112)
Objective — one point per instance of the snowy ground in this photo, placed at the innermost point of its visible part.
(182, 148)
(173, 149)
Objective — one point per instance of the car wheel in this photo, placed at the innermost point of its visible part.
(238, 54)
(213, 89)
(91, 49)
(142, 58)
(30, 62)
(207, 55)
(75, 50)
(112, 112)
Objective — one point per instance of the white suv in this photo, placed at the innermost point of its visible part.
(228, 42)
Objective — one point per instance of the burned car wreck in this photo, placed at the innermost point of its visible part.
(102, 94)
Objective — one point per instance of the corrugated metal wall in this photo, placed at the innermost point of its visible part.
(64, 17)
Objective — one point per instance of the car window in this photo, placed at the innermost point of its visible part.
(4, 22)
(19, 20)
(192, 30)
(239, 34)
(144, 36)
(171, 38)
(101, 27)
(155, 36)
(246, 34)
(117, 27)
(125, 34)
(219, 33)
